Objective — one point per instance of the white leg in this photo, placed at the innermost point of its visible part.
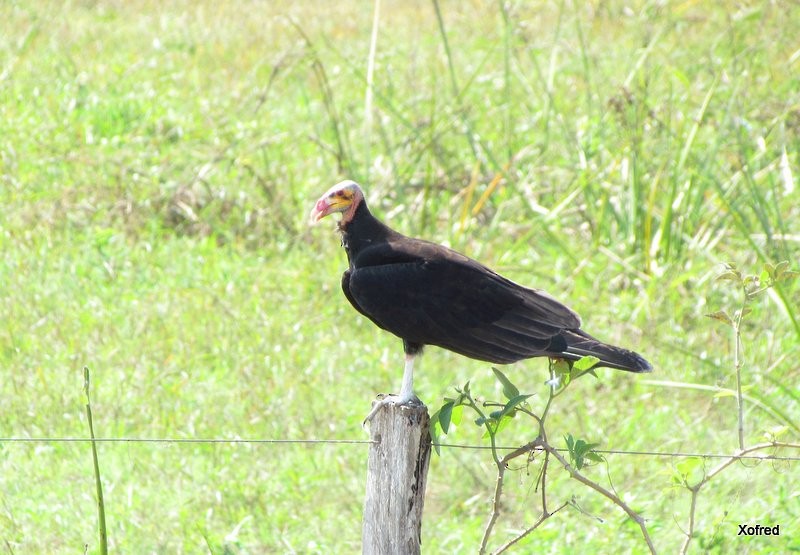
(406, 391)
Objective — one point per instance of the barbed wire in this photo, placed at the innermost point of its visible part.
(178, 440)
(261, 441)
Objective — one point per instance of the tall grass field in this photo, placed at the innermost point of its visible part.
(158, 161)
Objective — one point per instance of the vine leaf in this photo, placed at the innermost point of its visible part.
(722, 316)
(580, 452)
(509, 389)
(585, 363)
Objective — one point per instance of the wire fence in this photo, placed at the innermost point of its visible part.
(262, 441)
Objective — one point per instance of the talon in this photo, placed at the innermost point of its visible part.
(383, 400)
(389, 398)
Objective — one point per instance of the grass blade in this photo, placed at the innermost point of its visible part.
(101, 509)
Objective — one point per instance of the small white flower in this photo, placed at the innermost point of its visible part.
(554, 382)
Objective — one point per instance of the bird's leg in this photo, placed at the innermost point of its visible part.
(406, 391)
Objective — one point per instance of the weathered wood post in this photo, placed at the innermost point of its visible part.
(396, 473)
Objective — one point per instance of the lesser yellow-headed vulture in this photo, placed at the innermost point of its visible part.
(428, 294)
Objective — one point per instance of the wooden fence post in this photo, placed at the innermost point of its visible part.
(396, 473)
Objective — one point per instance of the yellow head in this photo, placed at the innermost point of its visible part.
(343, 197)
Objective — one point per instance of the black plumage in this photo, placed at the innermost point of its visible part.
(428, 294)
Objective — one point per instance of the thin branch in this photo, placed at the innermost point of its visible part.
(544, 516)
(736, 456)
(498, 492)
(690, 532)
(606, 493)
(737, 363)
(502, 465)
(695, 489)
(471, 402)
(544, 483)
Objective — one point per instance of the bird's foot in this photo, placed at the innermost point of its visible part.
(390, 399)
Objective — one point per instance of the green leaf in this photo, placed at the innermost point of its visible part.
(722, 316)
(512, 404)
(690, 470)
(573, 447)
(769, 269)
(772, 434)
(560, 366)
(739, 314)
(730, 274)
(570, 443)
(724, 393)
(686, 465)
(509, 389)
(582, 447)
(445, 415)
(455, 416)
(745, 311)
(580, 452)
(788, 274)
(494, 425)
(502, 423)
(780, 268)
(585, 363)
(595, 457)
(433, 429)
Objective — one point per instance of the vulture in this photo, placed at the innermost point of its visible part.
(428, 294)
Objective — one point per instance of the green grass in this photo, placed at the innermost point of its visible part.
(157, 165)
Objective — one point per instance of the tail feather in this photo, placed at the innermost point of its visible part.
(581, 344)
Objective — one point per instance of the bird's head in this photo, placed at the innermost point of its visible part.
(343, 197)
